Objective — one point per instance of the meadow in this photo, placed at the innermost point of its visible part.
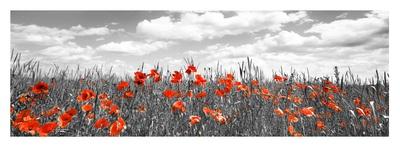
(184, 102)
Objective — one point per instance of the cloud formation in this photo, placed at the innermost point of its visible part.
(211, 25)
(136, 48)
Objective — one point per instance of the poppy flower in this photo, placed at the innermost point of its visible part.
(201, 94)
(300, 86)
(320, 125)
(87, 107)
(200, 81)
(140, 78)
(220, 119)
(155, 75)
(40, 88)
(103, 96)
(219, 92)
(230, 77)
(117, 127)
(254, 82)
(178, 106)
(307, 111)
(101, 123)
(90, 115)
(357, 101)
(176, 77)
(105, 104)
(278, 78)
(279, 112)
(47, 128)
(122, 85)
(64, 120)
(194, 120)
(169, 93)
(51, 111)
(297, 100)
(29, 126)
(86, 94)
(72, 111)
(292, 131)
(189, 94)
(128, 94)
(207, 111)
(292, 118)
(114, 109)
(191, 69)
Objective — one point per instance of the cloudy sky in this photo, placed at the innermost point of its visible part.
(317, 40)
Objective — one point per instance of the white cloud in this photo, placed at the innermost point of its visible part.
(135, 47)
(361, 44)
(68, 52)
(48, 36)
(348, 32)
(209, 25)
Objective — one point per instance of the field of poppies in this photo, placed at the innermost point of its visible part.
(184, 102)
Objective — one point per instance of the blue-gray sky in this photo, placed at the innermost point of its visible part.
(317, 40)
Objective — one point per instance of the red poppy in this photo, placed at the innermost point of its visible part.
(64, 120)
(140, 78)
(357, 101)
(122, 85)
(86, 94)
(320, 125)
(101, 123)
(117, 127)
(114, 109)
(191, 69)
(201, 94)
(194, 120)
(40, 88)
(87, 107)
(105, 104)
(103, 96)
(176, 77)
(279, 112)
(292, 118)
(155, 75)
(278, 78)
(200, 81)
(47, 128)
(207, 111)
(71, 111)
(178, 106)
(169, 93)
(51, 111)
(307, 111)
(219, 92)
(128, 94)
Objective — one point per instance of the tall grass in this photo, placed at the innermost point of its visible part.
(248, 116)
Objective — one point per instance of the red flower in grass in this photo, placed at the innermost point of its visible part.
(320, 125)
(200, 81)
(47, 128)
(155, 75)
(278, 78)
(87, 107)
(51, 111)
(40, 88)
(86, 94)
(128, 94)
(191, 69)
(307, 111)
(279, 112)
(103, 96)
(201, 94)
(176, 77)
(194, 120)
(101, 123)
(219, 92)
(117, 127)
(169, 93)
(140, 78)
(114, 109)
(105, 104)
(178, 106)
(122, 85)
(66, 117)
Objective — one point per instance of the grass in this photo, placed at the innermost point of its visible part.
(246, 114)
